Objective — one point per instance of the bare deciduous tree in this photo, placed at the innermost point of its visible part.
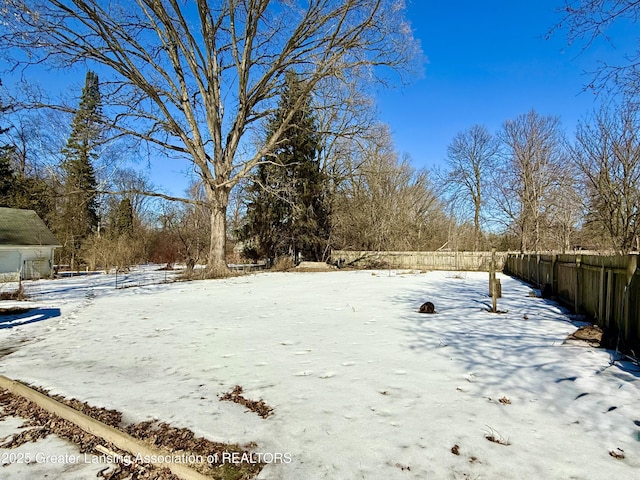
(531, 170)
(187, 228)
(385, 204)
(565, 211)
(125, 183)
(470, 161)
(194, 78)
(607, 152)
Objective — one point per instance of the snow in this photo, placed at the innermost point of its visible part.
(362, 385)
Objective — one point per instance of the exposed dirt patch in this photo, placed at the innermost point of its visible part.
(258, 406)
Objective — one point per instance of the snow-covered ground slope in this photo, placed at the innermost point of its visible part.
(361, 384)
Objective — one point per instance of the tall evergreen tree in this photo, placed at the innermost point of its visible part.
(287, 212)
(122, 223)
(6, 181)
(79, 213)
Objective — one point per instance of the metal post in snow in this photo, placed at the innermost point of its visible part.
(492, 282)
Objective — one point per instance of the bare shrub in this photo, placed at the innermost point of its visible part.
(17, 294)
(495, 437)
(283, 264)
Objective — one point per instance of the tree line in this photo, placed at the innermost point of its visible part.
(271, 106)
(525, 187)
(549, 192)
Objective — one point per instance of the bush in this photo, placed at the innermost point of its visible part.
(18, 294)
(283, 264)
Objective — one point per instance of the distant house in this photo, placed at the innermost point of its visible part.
(26, 246)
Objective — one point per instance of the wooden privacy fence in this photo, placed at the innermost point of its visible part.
(604, 288)
(468, 261)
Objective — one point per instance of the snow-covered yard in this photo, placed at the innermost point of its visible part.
(361, 384)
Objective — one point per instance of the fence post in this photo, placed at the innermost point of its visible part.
(602, 298)
(609, 304)
(577, 303)
(632, 266)
(629, 313)
(492, 282)
(633, 313)
(554, 275)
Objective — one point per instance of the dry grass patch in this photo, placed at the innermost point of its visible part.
(283, 264)
(17, 294)
(495, 437)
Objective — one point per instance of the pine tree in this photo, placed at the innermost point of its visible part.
(287, 213)
(79, 216)
(6, 181)
(122, 223)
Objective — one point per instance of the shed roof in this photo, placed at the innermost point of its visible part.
(24, 228)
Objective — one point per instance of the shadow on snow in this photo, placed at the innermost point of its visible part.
(32, 316)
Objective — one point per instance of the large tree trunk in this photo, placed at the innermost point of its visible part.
(476, 226)
(217, 262)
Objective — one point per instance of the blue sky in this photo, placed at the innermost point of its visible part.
(489, 62)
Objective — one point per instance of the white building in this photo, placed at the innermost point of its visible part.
(26, 246)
